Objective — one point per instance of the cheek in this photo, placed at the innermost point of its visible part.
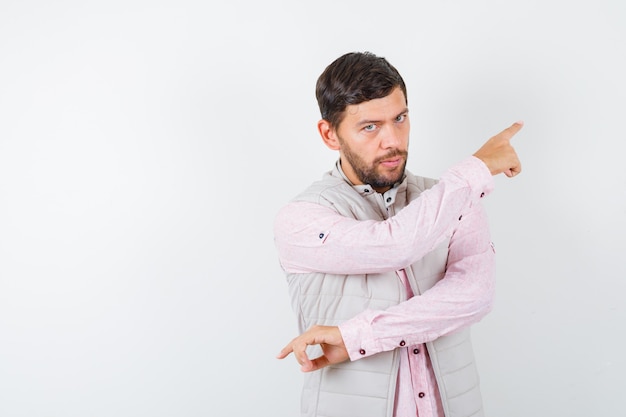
(370, 151)
(405, 133)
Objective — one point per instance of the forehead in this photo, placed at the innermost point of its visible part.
(382, 108)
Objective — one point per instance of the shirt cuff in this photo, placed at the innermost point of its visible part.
(475, 173)
(358, 337)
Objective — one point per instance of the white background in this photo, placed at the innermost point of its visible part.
(145, 147)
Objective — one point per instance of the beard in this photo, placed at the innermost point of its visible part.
(368, 174)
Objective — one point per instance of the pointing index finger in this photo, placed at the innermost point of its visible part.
(285, 352)
(510, 131)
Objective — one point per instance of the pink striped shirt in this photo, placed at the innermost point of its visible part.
(461, 298)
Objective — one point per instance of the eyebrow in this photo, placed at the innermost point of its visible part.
(369, 122)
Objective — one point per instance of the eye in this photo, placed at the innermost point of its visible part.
(369, 128)
(401, 118)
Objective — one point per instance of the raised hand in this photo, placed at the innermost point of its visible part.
(498, 153)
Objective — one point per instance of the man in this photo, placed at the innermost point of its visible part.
(387, 270)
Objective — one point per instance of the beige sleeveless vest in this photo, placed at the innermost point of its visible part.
(366, 387)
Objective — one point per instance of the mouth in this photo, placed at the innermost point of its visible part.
(392, 161)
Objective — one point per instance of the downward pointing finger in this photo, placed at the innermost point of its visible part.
(284, 352)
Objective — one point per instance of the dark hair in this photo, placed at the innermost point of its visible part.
(352, 79)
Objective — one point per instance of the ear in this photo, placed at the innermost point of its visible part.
(328, 134)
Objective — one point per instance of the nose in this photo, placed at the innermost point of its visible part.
(391, 137)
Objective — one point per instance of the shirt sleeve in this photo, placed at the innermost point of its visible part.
(312, 238)
(462, 297)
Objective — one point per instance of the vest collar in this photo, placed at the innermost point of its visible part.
(389, 197)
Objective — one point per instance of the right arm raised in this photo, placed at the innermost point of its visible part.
(313, 238)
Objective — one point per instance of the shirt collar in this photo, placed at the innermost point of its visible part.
(389, 197)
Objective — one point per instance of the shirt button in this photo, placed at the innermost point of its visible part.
(482, 195)
(402, 343)
(416, 351)
(362, 351)
(460, 217)
(389, 199)
(421, 395)
(321, 235)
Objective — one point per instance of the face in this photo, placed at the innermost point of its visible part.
(373, 140)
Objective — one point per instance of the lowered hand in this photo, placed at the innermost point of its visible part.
(330, 340)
